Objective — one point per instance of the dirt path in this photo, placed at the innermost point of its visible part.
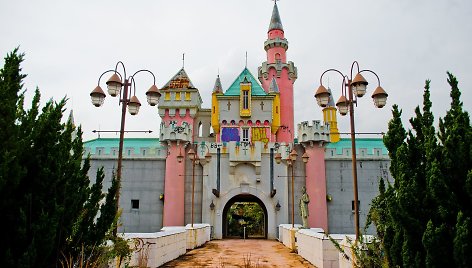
(239, 253)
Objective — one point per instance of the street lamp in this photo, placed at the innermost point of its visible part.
(291, 163)
(193, 156)
(353, 88)
(114, 85)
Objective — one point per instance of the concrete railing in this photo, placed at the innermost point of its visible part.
(316, 247)
(198, 235)
(155, 249)
(287, 235)
(346, 259)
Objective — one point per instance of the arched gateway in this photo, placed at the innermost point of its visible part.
(244, 214)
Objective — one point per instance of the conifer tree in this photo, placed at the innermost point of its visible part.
(424, 218)
(44, 185)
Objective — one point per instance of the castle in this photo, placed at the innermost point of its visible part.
(207, 160)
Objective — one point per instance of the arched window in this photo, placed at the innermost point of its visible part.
(277, 58)
(200, 129)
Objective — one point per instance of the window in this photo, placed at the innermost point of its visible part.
(187, 96)
(246, 99)
(358, 205)
(200, 129)
(167, 96)
(177, 95)
(277, 58)
(245, 134)
(134, 203)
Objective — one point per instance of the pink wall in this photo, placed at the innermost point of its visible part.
(187, 118)
(271, 54)
(275, 33)
(174, 199)
(286, 104)
(316, 187)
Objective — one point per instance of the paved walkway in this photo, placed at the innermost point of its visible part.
(240, 253)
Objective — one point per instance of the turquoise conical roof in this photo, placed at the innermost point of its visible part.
(245, 76)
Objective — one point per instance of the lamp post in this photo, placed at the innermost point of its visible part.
(193, 156)
(115, 84)
(291, 163)
(354, 88)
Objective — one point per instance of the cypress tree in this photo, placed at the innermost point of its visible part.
(45, 189)
(425, 216)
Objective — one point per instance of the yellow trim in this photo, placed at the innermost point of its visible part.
(329, 116)
(177, 96)
(215, 114)
(276, 113)
(187, 96)
(167, 96)
(246, 87)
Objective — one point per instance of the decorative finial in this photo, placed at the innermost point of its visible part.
(183, 60)
(275, 1)
(246, 56)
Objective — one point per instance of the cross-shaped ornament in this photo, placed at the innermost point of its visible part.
(262, 106)
(245, 149)
(229, 105)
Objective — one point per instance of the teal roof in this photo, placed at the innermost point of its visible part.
(256, 88)
(361, 143)
(108, 143)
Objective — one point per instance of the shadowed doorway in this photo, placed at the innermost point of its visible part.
(244, 214)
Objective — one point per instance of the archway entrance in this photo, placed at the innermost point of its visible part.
(244, 214)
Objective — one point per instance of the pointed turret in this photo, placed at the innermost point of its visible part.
(284, 72)
(273, 88)
(179, 80)
(331, 100)
(218, 88)
(329, 116)
(275, 21)
(215, 113)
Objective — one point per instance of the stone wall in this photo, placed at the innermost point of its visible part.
(314, 246)
(157, 248)
(143, 182)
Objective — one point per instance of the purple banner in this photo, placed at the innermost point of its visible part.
(230, 134)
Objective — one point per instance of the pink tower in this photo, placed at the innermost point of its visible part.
(284, 72)
(178, 107)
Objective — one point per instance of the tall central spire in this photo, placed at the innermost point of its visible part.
(275, 21)
(277, 72)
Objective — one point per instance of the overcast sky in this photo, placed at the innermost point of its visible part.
(68, 44)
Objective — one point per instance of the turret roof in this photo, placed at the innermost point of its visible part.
(273, 86)
(256, 88)
(331, 100)
(218, 88)
(179, 80)
(275, 21)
